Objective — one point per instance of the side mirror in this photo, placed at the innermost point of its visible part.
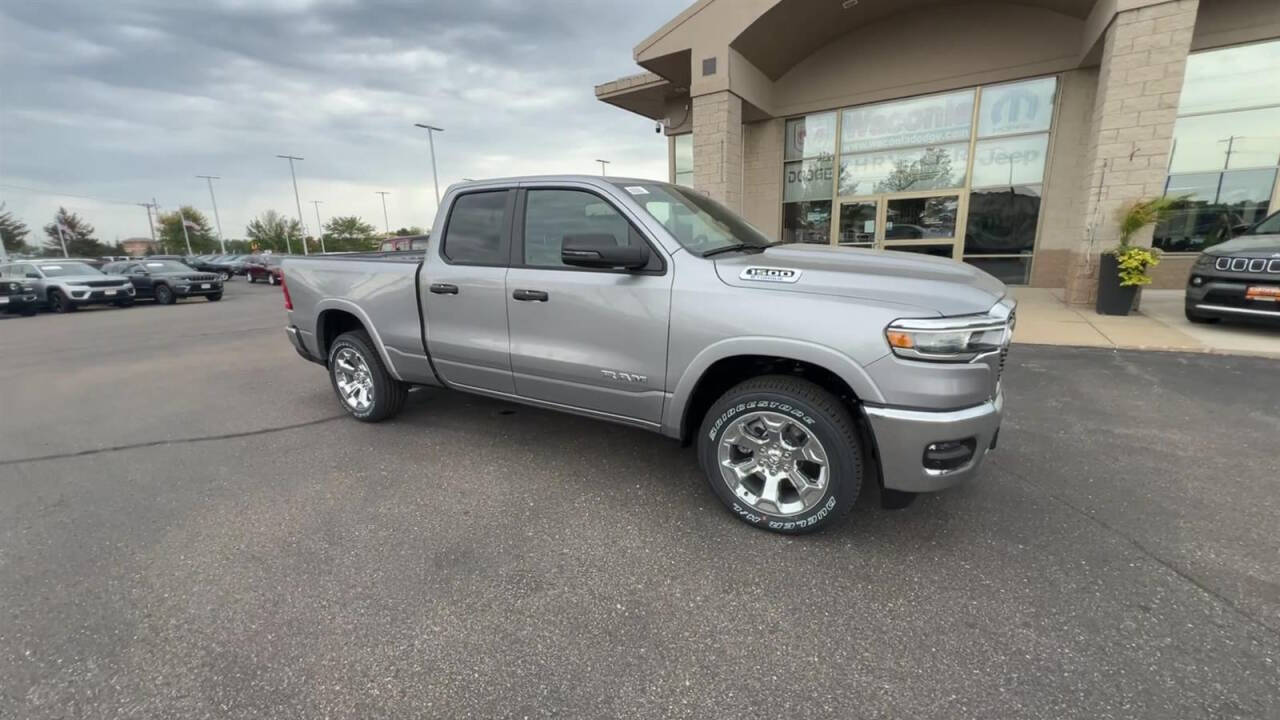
(602, 251)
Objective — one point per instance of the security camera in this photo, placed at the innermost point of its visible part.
(657, 127)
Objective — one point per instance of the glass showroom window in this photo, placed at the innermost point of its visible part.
(1008, 172)
(682, 167)
(808, 178)
(1226, 146)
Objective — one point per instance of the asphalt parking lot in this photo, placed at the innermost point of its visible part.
(189, 527)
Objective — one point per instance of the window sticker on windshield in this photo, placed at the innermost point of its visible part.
(637, 190)
(50, 267)
(155, 264)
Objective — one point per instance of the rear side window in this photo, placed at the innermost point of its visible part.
(477, 229)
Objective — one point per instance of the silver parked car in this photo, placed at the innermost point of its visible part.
(798, 371)
(64, 285)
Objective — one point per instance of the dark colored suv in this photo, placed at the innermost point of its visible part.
(1239, 278)
(17, 296)
(168, 280)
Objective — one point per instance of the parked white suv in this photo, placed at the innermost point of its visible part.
(65, 285)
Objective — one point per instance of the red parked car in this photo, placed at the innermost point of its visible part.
(264, 267)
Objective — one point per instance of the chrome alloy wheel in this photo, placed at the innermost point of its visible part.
(773, 463)
(355, 384)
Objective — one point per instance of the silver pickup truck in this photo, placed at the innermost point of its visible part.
(798, 371)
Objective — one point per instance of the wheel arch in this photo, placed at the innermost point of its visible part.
(725, 364)
(337, 316)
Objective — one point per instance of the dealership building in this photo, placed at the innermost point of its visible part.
(1003, 134)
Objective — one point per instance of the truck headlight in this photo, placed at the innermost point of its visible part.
(1204, 260)
(955, 339)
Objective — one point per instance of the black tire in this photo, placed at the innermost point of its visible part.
(58, 302)
(1196, 317)
(389, 394)
(214, 297)
(224, 275)
(249, 277)
(30, 311)
(271, 279)
(164, 295)
(126, 302)
(814, 409)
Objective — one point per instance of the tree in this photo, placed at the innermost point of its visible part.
(346, 233)
(198, 230)
(411, 230)
(78, 235)
(930, 170)
(272, 231)
(13, 232)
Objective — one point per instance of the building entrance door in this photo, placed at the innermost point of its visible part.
(924, 222)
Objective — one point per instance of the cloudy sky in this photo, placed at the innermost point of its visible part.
(129, 99)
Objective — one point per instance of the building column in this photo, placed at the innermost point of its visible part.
(1144, 57)
(717, 147)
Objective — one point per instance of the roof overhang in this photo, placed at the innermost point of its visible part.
(645, 94)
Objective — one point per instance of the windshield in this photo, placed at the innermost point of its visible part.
(165, 266)
(699, 223)
(67, 269)
(1270, 226)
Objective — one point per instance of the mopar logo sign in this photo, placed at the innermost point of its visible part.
(769, 274)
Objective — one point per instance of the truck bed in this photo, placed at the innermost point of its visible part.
(380, 289)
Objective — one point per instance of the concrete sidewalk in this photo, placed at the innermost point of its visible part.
(1044, 319)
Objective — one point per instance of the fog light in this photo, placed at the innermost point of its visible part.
(1197, 280)
(948, 455)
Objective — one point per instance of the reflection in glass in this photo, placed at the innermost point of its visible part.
(923, 168)
(807, 180)
(1010, 161)
(684, 153)
(1002, 221)
(857, 224)
(685, 179)
(810, 136)
(1217, 206)
(807, 222)
(919, 121)
(1009, 270)
(1202, 142)
(1020, 107)
(920, 218)
(943, 251)
(1244, 75)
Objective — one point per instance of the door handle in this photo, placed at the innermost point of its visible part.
(444, 289)
(530, 295)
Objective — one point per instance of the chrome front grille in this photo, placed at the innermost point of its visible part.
(1253, 265)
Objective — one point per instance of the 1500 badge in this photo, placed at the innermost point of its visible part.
(770, 274)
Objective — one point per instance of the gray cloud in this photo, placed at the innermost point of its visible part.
(131, 98)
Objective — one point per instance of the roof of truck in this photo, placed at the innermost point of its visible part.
(591, 179)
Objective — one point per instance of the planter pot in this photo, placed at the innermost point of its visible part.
(1112, 298)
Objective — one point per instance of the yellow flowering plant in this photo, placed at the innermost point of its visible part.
(1135, 261)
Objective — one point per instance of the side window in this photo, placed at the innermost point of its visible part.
(25, 270)
(552, 215)
(476, 233)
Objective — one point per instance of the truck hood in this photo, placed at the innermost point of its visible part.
(1257, 246)
(936, 285)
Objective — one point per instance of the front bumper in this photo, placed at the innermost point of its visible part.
(94, 296)
(198, 288)
(902, 436)
(1214, 294)
(10, 303)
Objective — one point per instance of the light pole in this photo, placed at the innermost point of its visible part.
(150, 224)
(431, 129)
(602, 164)
(301, 223)
(385, 222)
(222, 243)
(319, 225)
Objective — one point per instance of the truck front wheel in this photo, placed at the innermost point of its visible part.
(363, 385)
(782, 454)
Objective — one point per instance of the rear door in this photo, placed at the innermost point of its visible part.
(463, 292)
(586, 338)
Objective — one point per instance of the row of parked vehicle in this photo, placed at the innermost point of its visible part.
(67, 284)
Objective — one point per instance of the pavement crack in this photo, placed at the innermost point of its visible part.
(1188, 577)
(175, 441)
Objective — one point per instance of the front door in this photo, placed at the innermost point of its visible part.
(586, 338)
(143, 285)
(921, 222)
(463, 291)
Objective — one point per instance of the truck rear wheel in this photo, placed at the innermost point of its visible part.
(363, 385)
(782, 454)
